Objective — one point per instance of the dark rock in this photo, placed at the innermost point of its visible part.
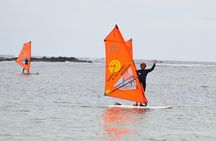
(48, 59)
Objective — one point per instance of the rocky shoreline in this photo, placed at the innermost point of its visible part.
(48, 59)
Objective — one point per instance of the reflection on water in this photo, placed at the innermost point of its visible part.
(120, 124)
(23, 74)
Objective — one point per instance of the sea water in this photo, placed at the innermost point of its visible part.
(66, 102)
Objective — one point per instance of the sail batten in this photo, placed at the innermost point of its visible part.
(121, 77)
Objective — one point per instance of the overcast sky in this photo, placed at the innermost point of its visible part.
(162, 29)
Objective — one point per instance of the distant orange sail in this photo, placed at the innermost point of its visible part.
(25, 54)
(130, 47)
(121, 78)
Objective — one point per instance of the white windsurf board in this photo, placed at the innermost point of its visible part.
(140, 107)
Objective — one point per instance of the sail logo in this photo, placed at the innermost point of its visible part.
(114, 66)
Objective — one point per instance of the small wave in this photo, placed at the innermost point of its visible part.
(204, 86)
(5, 135)
(86, 106)
(187, 65)
(24, 111)
(61, 102)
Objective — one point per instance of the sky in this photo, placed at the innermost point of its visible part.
(182, 30)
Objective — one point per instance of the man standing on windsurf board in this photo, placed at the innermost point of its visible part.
(142, 74)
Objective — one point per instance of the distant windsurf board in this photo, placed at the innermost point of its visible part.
(34, 73)
(29, 73)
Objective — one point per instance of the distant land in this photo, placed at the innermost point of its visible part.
(47, 59)
(96, 60)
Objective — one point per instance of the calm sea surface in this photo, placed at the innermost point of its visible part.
(65, 102)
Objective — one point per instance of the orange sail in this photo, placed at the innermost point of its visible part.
(24, 55)
(130, 47)
(121, 77)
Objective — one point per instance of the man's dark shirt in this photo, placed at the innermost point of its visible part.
(26, 62)
(142, 75)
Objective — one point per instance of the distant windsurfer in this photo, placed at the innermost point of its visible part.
(142, 73)
(26, 63)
